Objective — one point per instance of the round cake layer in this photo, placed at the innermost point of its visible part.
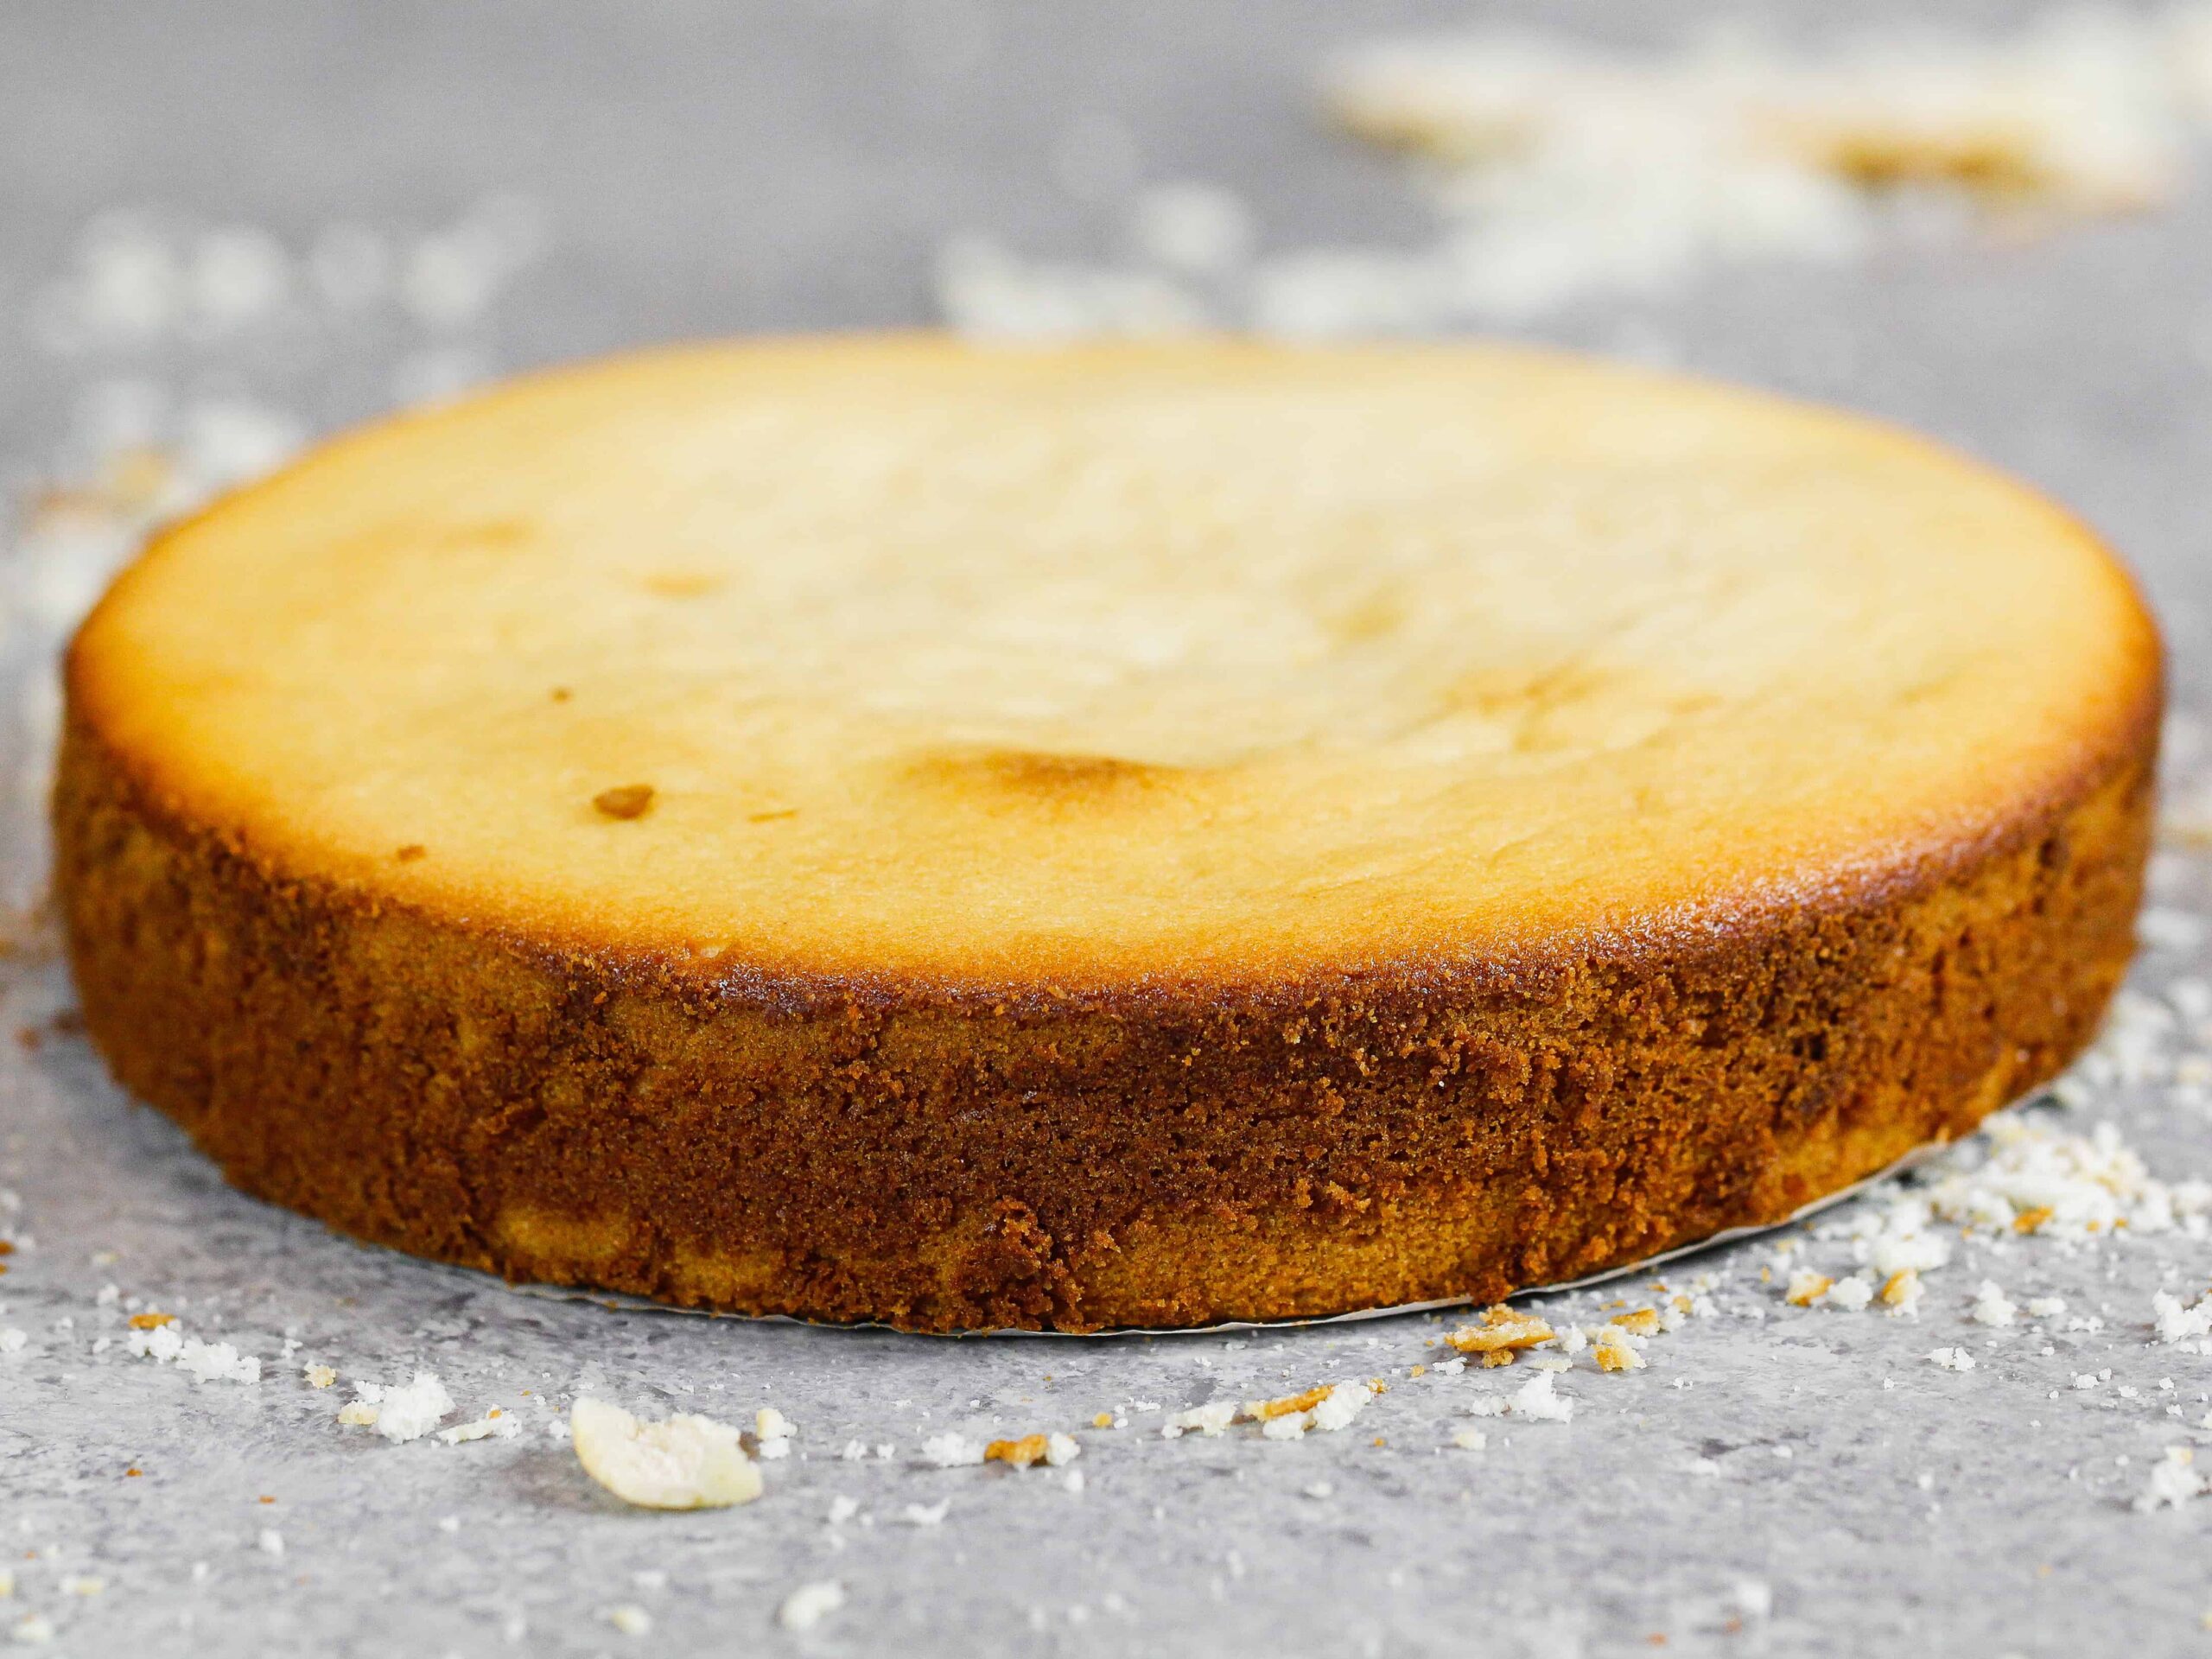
(876, 829)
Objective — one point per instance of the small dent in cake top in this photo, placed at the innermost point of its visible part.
(499, 534)
(410, 852)
(1041, 777)
(626, 801)
(681, 584)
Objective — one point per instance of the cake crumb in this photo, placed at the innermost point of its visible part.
(1504, 1333)
(774, 1432)
(1807, 1288)
(1029, 1449)
(1851, 1295)
(1210, 1419)
(399, 1411)
(1614, 1350)
(1990, 1305)
(952, 1451)
(2174, 1481)
(493, 1425)
(685, 1463)
(1901, 1292)
(810, 1603)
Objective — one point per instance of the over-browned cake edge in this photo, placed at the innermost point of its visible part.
(944, 1158)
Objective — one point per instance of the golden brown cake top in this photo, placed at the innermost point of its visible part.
(893, 656)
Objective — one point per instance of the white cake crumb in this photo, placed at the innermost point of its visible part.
(684, 1463)
(399, 1411)
(950, 1451)
(1536, 1400)
(1852, 1294)
(2179, 1322)
(494, 1424)
(214, 1362)
(1952, 1359)
(774, 1431)
(810, 1603)
(1209, 1420)
(631, 1620)
(2174, 1481)
(1807, 1288)
(1990, 1305)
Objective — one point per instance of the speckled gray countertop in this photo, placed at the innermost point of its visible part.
(1778, 1480)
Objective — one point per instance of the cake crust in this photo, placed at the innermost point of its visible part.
(1054, 1137)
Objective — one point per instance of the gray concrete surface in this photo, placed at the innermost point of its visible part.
(1779, 1481)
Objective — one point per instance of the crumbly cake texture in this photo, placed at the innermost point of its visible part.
(1125, 835)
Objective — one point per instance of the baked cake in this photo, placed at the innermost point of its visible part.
(874, 828)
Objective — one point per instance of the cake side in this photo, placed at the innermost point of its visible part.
(944, 1158)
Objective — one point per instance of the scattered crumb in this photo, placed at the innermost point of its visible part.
(1990, 1305)
(774, 1432)
(685, 1463)
(399, 1411)
(950, 1451)
(1504, 1332)
(810, 1603)
(1851, 1294)
(1807, 1288)
(2179, 1322)
(1614, 1350)
(2174, 1480)
(1029, 1449)
(1209, 1420)
(1901, 1292)
(493, 1425)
